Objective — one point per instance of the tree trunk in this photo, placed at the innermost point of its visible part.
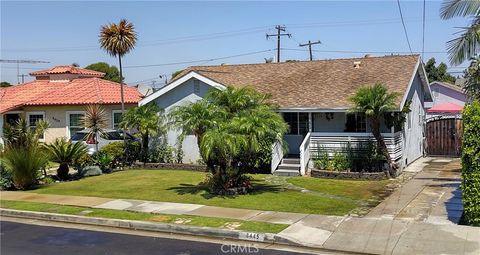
(125, 152)
(62, 171)
(145, 147)
(382, 147)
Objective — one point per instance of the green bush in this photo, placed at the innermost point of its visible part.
(66, 154)
(161, 153)
(24, 165)
(471, 163)
(322, 160)
(6, 179)
(105, 161)
(339, 162)
(117, 151)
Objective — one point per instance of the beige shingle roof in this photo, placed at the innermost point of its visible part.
(315, 84)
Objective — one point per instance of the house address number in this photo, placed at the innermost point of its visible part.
(252, 236)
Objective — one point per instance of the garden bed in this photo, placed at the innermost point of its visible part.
(348, 175)
(171, 166)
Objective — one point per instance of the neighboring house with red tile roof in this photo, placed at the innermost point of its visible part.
(313, 98)
(59, 95)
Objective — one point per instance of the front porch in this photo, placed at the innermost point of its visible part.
(331, 131)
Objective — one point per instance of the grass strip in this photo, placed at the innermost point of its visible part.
(254, 226)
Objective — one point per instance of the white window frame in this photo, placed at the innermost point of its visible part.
(67, 120)
(27, 114)
(113, 117)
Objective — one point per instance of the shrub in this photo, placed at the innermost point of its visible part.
(90, 171)
(229, 183)
(339, 162)
(322, 160)
(65, 153)
(117, 151)
(105, 161)
(471, 163)
(24, 165)
(83, 161)
(161, 153)
(6, 179)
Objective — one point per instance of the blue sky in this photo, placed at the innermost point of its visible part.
(65, 32)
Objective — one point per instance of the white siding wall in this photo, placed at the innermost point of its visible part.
(182, 95)
(414, 135)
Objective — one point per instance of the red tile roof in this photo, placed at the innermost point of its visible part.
(75, 92)
(67, 70)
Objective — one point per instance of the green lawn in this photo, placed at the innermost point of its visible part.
(255, 226)
(325, 196)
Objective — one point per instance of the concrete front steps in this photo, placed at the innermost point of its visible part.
(288, 167)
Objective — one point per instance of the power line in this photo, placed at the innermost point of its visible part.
(203, 60)
(365, 51)
(18, 61)
(423, 30)
(404, 27)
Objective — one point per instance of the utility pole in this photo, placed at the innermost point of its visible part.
(279, 29)
(18, 61)
(23, 77)
(310, 47)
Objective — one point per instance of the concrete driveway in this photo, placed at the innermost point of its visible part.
(433, 195)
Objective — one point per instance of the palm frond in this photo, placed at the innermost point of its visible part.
(466, 45)
(459, 8)
(118, 39)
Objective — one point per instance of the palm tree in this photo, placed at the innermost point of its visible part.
(196, 118)
(118, 40)
(65, 153)
(467, 44)
(95, 121)
(375, 101)
(148, 120)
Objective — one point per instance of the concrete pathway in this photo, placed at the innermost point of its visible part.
(433, 195)
(418, 218)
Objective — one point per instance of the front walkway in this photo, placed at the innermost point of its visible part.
(418, 218)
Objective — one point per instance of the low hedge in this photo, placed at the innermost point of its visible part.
(471, 163)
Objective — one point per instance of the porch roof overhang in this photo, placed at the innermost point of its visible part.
(446, 108)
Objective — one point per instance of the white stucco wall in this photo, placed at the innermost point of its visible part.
(182, 95)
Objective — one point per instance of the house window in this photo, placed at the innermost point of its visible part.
(33, 119)
(116, 119)
(74, 122)
(356, 122)
(302, 123)
(291, 118)
(298, 122)
(196, 86)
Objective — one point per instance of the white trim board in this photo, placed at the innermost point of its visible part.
(424, 79)
(177, 83)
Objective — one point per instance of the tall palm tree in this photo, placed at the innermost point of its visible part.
(118, 40)
(375, 101)
(148, 120)
(467, 45)
(95, 121)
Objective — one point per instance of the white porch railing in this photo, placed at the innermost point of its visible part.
(277, 155)
(305, 154)
(332, 142)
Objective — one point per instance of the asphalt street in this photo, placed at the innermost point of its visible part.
(20, 238)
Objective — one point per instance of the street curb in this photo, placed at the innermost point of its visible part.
(151, 226)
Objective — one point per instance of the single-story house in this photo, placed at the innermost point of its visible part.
(59, 95)
(313, 99)
(448, 100)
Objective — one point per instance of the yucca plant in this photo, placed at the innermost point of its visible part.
(24, 164)
(95, 121)
(65, 153)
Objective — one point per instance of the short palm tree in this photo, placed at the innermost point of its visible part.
(467, 44)
(118, 40)
(95, 121)
(65, 153)
(375, 101)
(147, 120)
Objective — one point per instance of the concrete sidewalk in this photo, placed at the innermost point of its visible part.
(418, 218)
